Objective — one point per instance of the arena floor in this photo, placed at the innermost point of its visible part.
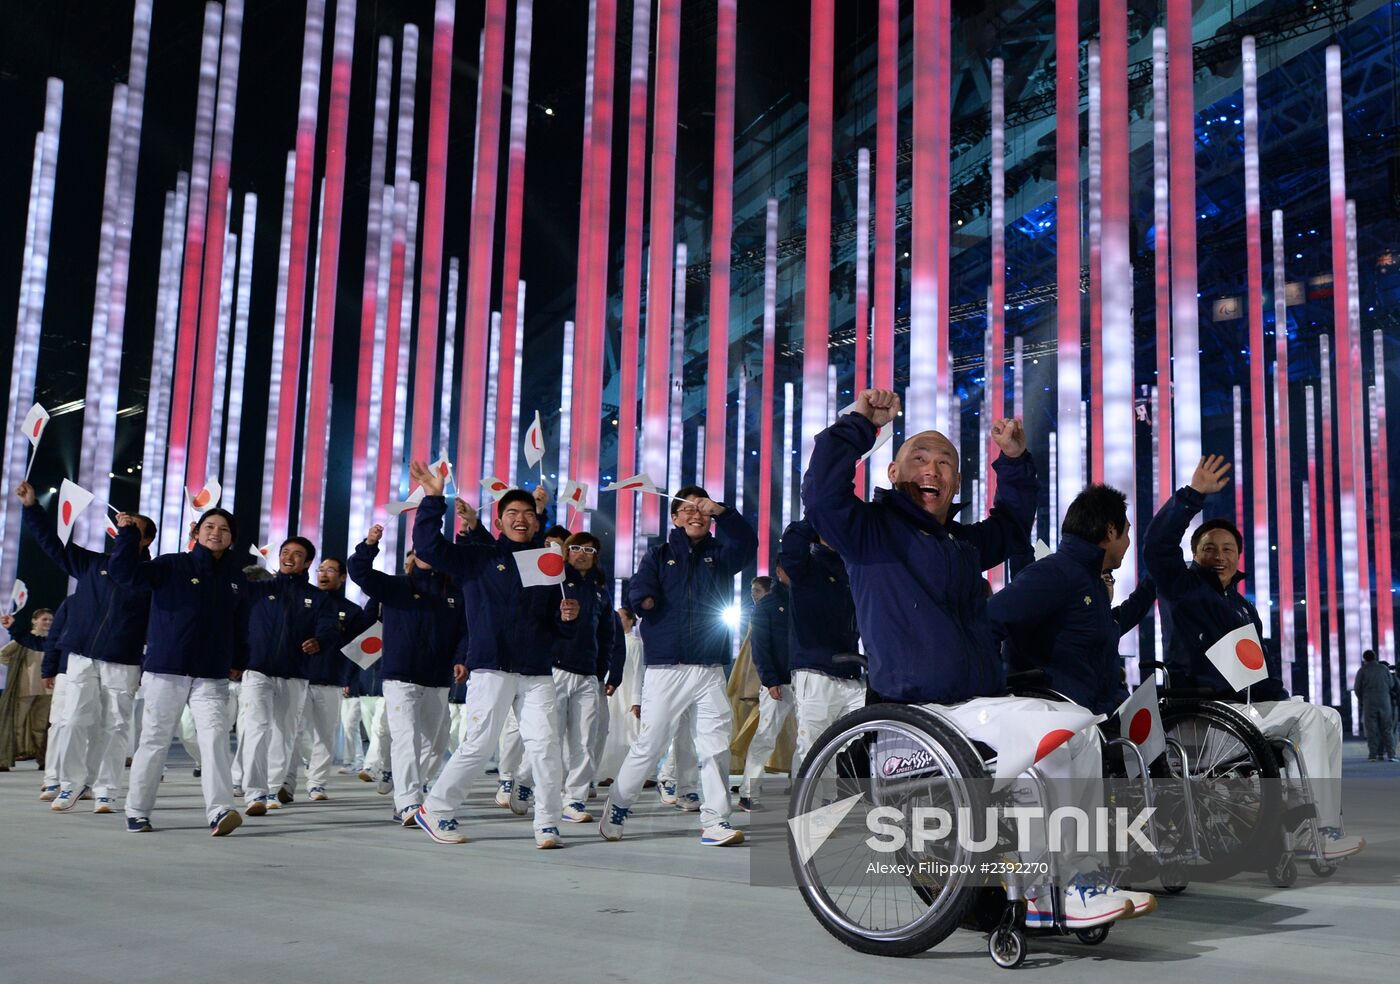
(332, 892)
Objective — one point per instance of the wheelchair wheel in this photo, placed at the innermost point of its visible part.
(885, 755)
(1283, 872)
(1007, 947)
(1094, 935)
(1233, 776)
(1321, 869)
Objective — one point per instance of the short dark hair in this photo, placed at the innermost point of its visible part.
(1093, 511)
(763, 581)
(340, 564)
(149, 524)
(1217, 524)
(228, 517)
(1368, 655)
(689, 492)
(514, 495)
(557, 532)
(40, 611)
(624, 610)
(304, 543)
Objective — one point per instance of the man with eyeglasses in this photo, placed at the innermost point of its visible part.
(681, 589)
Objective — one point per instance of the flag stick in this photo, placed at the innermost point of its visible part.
(33, 453)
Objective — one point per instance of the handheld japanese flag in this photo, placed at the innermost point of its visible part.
(575, 494)
(365, 649)
(533, 445)
(262, 553)
(34, 423)
(414, 498)
(541, 567)
(206, 498)
(1042, 550)
(882, 434)
(1239, 657)
(1141, 723)
(640, 482)
(19, 597)
(442, 468)
(495, 487)
(72, 500)
(1023, 739)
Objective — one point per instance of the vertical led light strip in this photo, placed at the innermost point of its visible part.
(926, 403)
(1380, 490)
(1185, 307)
(788, 424)
(514, 415)
(1161, 258)
(862, 367)
(698, 470)
(238, 371)
(19, 360)
(1352, 384)
(677, 406)
(1018, 377)
(1313, 534)
(505, 450)
(1067, 250)
(1351, 494)
(449, 341)
(492, 382)
(434, 195)
(1310, 601)
(274, 389)
(368, 376)
(1116, 424)
(566, 400)
(178, 450)
(816, 308)
(996, 308)
(205, 367)
(1054, 514)
(279, 506)
(633, 234)
(94, 412)
(150, 494)
(313, 477)
(1257, 477)
(585, 202)
(655, 398)
(476, 327)
(1092, 451)
(721, 229)
(1326, 489)
(1237, 421)
(766, 415)
(223, 334)
(738, 500)
(886, 141)
(398, 476)
(1283, 449)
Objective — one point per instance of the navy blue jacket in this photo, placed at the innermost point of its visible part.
(768, 637)
(691, 585)
(331, 667)
(423, 621)
(283, 613)
(106, 620)
(823, 612)
(1196, 609)
(366, 682)
(590, 650)
(55, 656)
(512, 628)
(920, 599)
(199, 618)
(1056, 616)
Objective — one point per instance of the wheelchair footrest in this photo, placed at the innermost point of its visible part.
(1295, 816)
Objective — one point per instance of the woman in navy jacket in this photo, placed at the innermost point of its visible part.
(196, 643)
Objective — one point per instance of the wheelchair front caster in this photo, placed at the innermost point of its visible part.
(1007, 947)
(1093, 936)
(1322, 869)
(1174, 880)
(1284, 872)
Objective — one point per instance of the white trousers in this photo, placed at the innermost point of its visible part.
(820, 701)
(772, 715)
(353, 746)
(576, 703)
(679, 766)
(602, 725)
(97, 698)
(510, 752)
(622, 732)
(377, 727)
(1317, 731)
(490, 695)
(415, 715)
(669, 693)
(316, 742)
(53, 757)
(269, 714)
(165, 697)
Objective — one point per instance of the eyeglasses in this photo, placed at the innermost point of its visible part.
(590, 551)
(687, 510)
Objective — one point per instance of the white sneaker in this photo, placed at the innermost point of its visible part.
(610, 826)
(576, 813)
(547, 838)
(318, 793)
(385, 786)
(104, 804)
(522, 799)
(690, 802)
(1089, 900)
(1336, 845)
(48, 794)
(503, 794)
(667, 791)
(441, 829)
(721, 835)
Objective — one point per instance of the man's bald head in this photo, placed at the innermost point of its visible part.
(927, 470)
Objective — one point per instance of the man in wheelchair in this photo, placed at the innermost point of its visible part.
(916, 577)
(1200, 605)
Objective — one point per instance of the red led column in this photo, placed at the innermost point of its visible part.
(721, 221)
(816, 317)
(886, 142)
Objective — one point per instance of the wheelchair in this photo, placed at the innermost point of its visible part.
(908, 757)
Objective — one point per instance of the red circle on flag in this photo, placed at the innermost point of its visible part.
(67, 511)
(372, 645)
(442, 469)
(1052, 741)
(1249, 654)
(202, 500)
(534, 439)
(1140, 726)
(551, 564)
(498, 486)
(38, 426)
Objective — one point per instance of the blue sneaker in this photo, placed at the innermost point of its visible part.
(610, 827)
(521, 797)
(690, 802)
(667, 791)
(441, 829)
(138, 825)
(68, 798)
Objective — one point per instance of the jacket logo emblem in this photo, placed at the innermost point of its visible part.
(306, 602)
(452, 601)
(194, 580)
(709, 560)
(1088, 600)
(271, 597)
(670, 563)
(500, 567)
(103, 572)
